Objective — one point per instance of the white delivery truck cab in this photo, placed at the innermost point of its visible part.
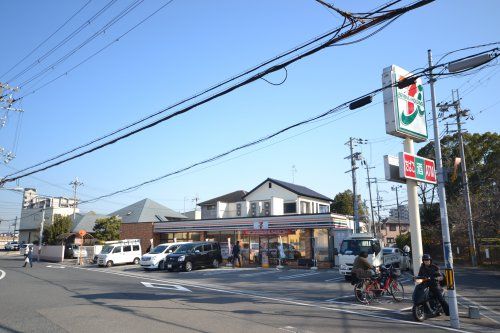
(126, 251)
(352, 246)
(155, 259)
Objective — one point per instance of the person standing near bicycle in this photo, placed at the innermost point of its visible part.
(362, 268)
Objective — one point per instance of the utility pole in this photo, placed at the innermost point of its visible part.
(40, 238)
(354, 157)
(75, 183)
(370, 193)
(14, 233)
(448, 254)
(379, 200)
(465, 179)
(395, 188)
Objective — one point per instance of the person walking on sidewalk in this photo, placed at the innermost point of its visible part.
(28, 256)
(236, 254)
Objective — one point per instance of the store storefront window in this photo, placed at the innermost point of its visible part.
(297, 244)
(321, 239)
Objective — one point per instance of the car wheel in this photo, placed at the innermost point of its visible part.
(215, 263)
(136, 261)
(188, 267)
(161, 265)
(109, 263)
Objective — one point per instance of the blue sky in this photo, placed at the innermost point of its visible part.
(191, 45)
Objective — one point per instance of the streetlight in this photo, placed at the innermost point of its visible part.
(395, 188)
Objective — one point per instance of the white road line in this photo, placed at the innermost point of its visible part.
(482, 314)
(259, 273)
(479, 305)
(292, 302)
(290, 277)
(335, 279)
(2, 274)
(406, 309)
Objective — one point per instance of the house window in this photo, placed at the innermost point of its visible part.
(290, 207)
(392, 228)
(270, 185)
(324, 209)
(210, 207)
(390, 240)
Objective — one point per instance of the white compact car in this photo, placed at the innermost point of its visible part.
(127, 251)
(155, 259)
(11, 246)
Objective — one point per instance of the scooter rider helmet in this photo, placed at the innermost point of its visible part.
(426, 257)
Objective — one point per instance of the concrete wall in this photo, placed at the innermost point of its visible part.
(54, 253)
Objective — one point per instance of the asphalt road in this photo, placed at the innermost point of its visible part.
(67, 298)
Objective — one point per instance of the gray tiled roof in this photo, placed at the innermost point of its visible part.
(297, 189)
(146, 210)
(86, 221)
(230, 197)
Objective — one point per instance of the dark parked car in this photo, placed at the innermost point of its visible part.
(193, 255)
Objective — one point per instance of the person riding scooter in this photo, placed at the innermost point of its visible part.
(431, 271)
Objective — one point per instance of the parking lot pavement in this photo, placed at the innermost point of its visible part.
(326, 287)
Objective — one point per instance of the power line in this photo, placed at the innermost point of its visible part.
(64, 41)
(334, 32)
(351, 32)
(99, 32)
(46, 39)
(115, 40)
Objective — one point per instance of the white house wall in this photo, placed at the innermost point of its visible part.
(264, 193)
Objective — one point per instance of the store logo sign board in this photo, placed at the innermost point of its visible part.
(404, 108)
(417, 168)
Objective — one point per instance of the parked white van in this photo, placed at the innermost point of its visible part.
(155, 259)
(126, 251)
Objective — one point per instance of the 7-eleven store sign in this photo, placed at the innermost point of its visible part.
(417, 168)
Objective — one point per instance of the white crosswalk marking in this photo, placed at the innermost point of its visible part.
(259, 273)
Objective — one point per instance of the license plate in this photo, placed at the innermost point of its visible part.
(169, 265)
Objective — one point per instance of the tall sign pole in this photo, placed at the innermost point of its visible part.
(448, 254)
(413, 214)
(405, 117)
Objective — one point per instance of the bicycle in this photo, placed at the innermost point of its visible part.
(369, 288)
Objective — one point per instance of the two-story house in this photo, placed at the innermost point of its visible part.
(273, 213)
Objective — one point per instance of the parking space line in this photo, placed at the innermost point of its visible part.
(2, 274)
(282, 300)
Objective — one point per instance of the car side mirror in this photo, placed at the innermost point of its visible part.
(335, 251)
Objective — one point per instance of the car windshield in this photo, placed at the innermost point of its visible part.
(107, 249)
(186, 248)
(159, 249)
(355, 246)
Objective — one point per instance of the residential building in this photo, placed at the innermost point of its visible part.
(390, 229)
(31, 213)
(86, 221)
(273, 213)
(138, 220)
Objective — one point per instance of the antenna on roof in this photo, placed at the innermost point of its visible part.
(294, 170)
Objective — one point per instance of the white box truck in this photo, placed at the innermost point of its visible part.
(356, 243)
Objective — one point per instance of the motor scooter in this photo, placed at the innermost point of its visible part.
(425, 305)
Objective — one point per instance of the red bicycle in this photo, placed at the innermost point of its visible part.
(387, 282)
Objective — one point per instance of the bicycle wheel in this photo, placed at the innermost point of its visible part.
(361, 293)
(397, 290)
